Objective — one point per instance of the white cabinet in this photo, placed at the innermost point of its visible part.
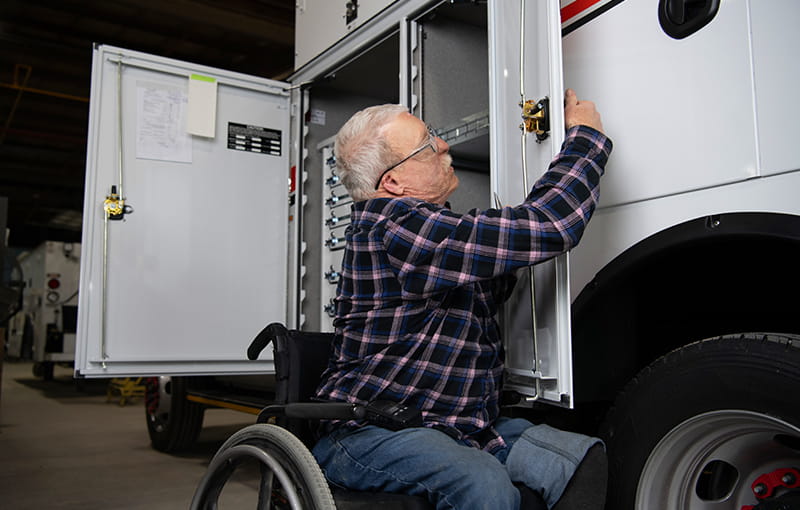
(321, 23)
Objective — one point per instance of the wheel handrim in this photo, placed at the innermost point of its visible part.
(740, 439)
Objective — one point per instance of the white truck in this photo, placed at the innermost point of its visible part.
(44, 327)
(212, 208)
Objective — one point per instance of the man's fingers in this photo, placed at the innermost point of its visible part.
(570, 98)
(580, 112)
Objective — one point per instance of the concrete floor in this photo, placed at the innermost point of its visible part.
(65, 447)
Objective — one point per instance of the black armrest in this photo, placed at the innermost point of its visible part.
(314, 411)
(383, 413)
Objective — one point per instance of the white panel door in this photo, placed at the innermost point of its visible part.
(525, 65)
(680, 111)
(196, 266)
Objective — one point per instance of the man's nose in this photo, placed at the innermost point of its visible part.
(441, 145)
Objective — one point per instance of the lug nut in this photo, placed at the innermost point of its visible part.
(760, 489)
(789, 479)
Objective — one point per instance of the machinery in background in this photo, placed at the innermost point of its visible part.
(44, 328)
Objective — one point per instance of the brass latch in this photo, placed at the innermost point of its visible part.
(114, 206)
(536, 118)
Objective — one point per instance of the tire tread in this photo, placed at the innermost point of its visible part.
(652, 395)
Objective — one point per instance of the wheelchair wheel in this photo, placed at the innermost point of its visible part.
(290, 476)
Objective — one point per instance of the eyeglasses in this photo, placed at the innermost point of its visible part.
(430, 142)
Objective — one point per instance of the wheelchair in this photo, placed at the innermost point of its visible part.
(290, 477)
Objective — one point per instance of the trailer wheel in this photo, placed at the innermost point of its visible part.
(693, 430)
(172, 421)
(44, 369)
(26, 348)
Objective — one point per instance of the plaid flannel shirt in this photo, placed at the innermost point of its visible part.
(420, 286)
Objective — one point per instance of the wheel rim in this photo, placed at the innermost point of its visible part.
(159, 403)
(726, 449)
(223, 465)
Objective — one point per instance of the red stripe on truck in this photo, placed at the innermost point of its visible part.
(575, 8)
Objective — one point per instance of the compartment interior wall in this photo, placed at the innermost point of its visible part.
(452, 90)
(369, 79)
(455, 70)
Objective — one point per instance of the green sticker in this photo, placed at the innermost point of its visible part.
(200, 77)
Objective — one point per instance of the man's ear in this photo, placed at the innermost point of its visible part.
(392, 185)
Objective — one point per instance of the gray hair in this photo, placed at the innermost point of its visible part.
(362, 151)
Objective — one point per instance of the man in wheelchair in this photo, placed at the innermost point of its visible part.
(415, 328)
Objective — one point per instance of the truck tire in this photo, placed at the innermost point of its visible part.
(173, 422)
(694, 429)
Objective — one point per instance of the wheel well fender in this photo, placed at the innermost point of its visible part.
(709, 276)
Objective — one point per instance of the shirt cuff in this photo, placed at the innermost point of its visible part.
(589, 141)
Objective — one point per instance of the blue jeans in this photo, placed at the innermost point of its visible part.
(449, 473)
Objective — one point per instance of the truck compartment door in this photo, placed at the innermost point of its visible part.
(184, 235)
(525, 69)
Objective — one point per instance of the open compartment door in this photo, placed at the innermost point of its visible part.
(525, 67)
(184, 235)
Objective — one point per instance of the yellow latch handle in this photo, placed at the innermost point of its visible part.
(113, 205)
